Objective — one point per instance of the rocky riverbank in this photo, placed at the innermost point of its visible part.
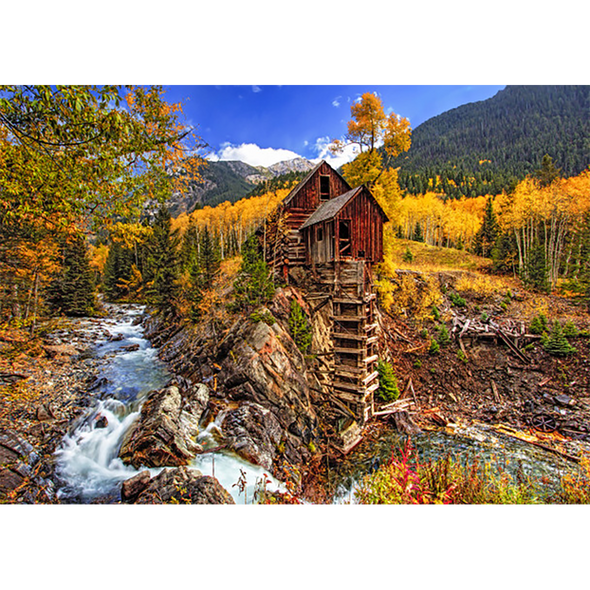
(48, 383)
(261, 391)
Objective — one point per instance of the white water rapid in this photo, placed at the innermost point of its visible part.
(87, 460)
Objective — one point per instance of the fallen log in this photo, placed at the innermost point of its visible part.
(393, 408)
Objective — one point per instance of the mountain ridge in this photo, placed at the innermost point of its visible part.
(478, 148)
(497, 141)
(231, 180)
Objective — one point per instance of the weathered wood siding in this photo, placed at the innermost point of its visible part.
(366, 227)
(307, 198)
(366, 233)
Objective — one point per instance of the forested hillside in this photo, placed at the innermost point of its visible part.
(485, 147)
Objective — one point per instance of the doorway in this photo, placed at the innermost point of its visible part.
(344, 242)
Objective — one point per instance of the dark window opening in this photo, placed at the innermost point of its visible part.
(361, 254)
(319, 234)
(324, 187)
(344, 238)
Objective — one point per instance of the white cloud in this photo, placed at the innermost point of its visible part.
(253, 154)
(322, 146)
(256, 89)
(336, 101)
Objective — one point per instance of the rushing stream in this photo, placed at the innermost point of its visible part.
(90, 470)
(87, 461)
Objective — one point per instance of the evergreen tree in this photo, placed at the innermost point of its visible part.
(254, 285)
(557, 344)
(548, 171)
(203, 268)
(536, 270)
(117, 271)
(583, 264)
(209, 257)
(189, 249)
(418, 235)
(485, 238)
(388, 388)
(72, 290)
(299, 327)
(163, 264)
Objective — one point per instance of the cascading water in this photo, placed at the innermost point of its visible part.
(87, 461)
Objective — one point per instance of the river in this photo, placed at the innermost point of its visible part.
(90, 471)
(87, 463)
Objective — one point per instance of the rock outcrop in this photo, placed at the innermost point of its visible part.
(254, 433)
(165, 431)
(18, 480)
(179, 485)
(258, 377)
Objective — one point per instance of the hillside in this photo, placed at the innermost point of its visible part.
(233, 180)
(483, 147)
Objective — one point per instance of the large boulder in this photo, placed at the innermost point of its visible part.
(253, 432)
(179, 485)
(166, 428)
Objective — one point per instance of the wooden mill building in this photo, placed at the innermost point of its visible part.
(325, 220)
(335, 233)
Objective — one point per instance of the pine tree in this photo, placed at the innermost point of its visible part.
(299, 327)
(537, 276)
(254, 285)
(583, 263)
(117, 271)
(72, 290)
(203, 267)
(163, 264)
(548, 171)
(209, 257)
(485, 238)
(557, 344)
(388, 388)
(418, 235)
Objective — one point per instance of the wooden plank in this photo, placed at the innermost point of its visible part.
(350, 350)
(346, 336)
(371, 359)
(348, 318)
(373, 387)
(370, 377)
(349, 387)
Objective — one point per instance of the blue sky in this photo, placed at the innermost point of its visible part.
(262, 125)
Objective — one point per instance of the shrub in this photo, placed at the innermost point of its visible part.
(299, 327)
(457, 300)
(575, 489)
(570, 330)
(442, 337)
(388, 390)
(405, 480)
(538, 324)
(556, 343)
(407, 255)
(434, 347)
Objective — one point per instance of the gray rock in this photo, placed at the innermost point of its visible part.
(167, 426)
(253, 432)
(176, 486)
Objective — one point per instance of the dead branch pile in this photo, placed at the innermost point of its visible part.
(511, 332)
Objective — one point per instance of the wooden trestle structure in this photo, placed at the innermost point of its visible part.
(352, 359)
(331, 235)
